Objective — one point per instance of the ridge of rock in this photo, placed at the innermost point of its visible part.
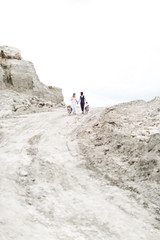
(121, 144)
(20, 75)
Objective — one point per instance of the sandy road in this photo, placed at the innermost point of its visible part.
(48, 193)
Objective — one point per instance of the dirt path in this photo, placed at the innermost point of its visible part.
(48, 193)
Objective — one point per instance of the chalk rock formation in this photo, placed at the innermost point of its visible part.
(20, 75)
(10, 53)
(123, 145)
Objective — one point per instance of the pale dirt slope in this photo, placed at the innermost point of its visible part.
(47, 192)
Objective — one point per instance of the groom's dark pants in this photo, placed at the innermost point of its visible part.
(82, 106)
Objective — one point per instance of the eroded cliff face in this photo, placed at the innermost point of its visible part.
(20, 75)
(122, 145)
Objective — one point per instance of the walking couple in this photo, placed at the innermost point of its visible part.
(82, 100)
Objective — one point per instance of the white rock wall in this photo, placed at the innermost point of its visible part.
(20, 75)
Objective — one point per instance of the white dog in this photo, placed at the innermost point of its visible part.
(87, 109)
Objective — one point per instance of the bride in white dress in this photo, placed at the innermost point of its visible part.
(74, 101)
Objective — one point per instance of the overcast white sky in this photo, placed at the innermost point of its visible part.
(110, 49)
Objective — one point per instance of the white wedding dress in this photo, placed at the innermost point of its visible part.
(74, 101)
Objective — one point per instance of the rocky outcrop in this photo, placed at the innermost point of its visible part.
(122, 145)
(20, 75)
(10, 53)
(17, 103)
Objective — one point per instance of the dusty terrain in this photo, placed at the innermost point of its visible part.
(123, 146)
(82, 177)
